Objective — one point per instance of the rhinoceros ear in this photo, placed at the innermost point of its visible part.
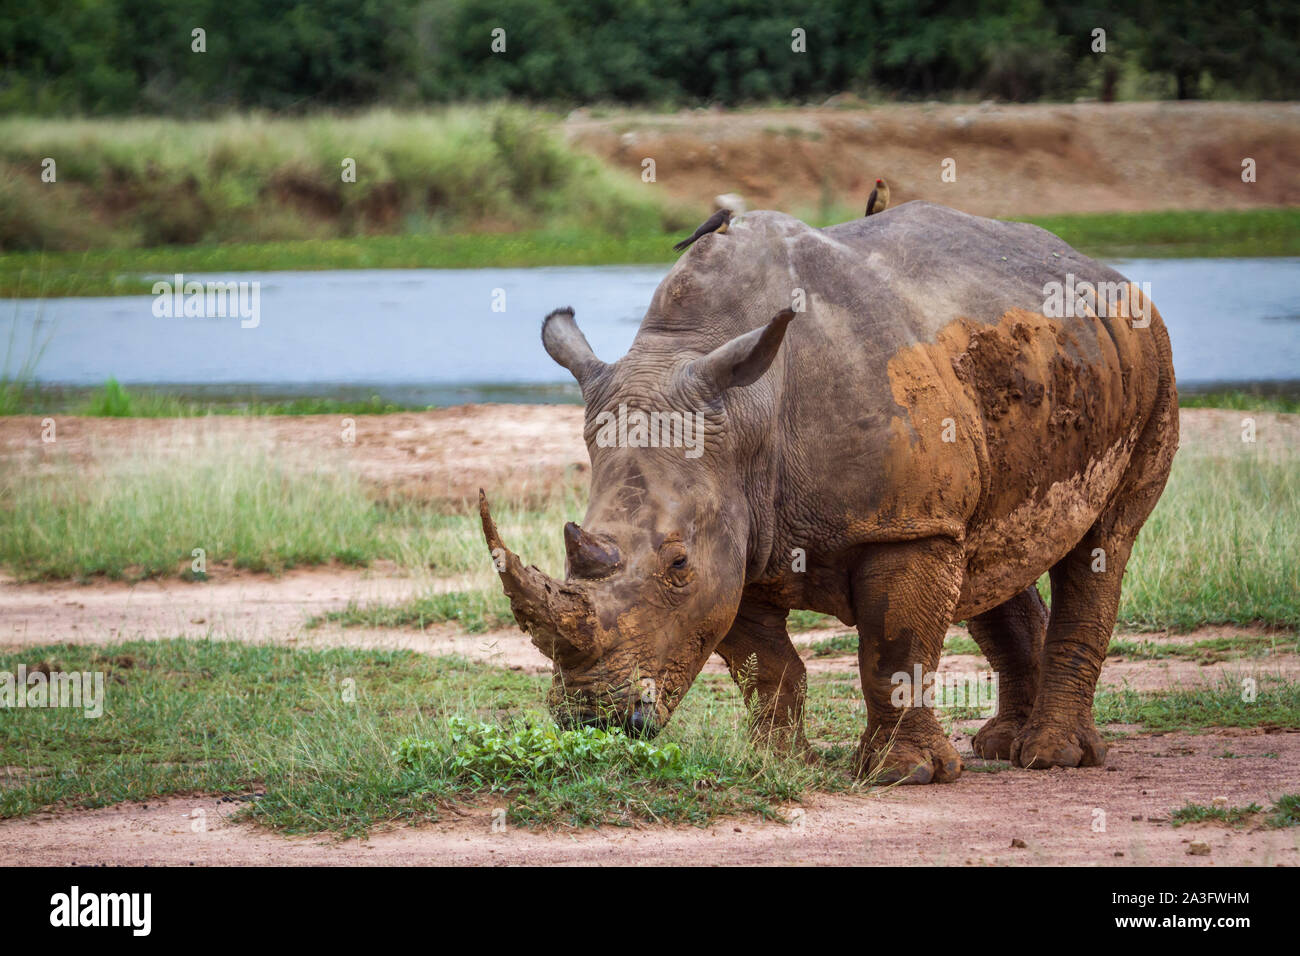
(566, 344)
(744, 359)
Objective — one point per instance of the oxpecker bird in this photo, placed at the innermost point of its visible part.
(878, 201)
(718, 222)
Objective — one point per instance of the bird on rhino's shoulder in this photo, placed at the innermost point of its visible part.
(718, 222)
(878, 201)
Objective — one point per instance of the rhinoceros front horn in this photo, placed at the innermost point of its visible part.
(559, 617)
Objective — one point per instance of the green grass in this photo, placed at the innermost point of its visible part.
(138, 518)
(141, 514)
(345, 740)
(840, 645)
(114, 400)
(960, 644)
(22, 395)
(1241, 400)
(800, 620)
(1219, 547)
(1285, 812)
(124, 271)
(1210, 650)
(1179, 233)
(184, 716)
(451, 188)
(119, 271)
(19, 391)
(475, 611)
(1276, 704)
(1229, 816)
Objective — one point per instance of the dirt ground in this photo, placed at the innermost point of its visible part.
(1116, 815)
(1011, 160)
(446, 455)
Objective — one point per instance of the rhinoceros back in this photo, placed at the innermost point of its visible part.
(930, 385)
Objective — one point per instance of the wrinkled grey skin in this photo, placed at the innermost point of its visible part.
(916, 445)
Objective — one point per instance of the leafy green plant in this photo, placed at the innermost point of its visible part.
(486, 753)
(1286, 811)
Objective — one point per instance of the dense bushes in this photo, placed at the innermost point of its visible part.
(113, 56)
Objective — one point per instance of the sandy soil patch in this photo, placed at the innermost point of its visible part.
(232, 605)
(1012, 160)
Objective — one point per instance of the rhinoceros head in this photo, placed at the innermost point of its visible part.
(654, 576)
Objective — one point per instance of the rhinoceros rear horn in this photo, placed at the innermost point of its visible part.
(566, 344)
(558, 616)
(588, 555)
(744, 359)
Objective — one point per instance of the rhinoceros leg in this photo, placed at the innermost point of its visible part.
(1011, 637)
(1060, 731)
(1085, 599)
(769, 671)
(904, 595)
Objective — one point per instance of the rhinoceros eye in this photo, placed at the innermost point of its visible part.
(678, 574)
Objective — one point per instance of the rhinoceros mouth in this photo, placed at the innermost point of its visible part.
(639, 720)
(558, 616)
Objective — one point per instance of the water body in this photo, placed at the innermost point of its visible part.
(432, 336)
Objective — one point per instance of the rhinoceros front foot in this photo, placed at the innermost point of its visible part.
(1041, 745)
(928, 758)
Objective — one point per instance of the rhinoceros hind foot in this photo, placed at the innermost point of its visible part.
(1039, 747)
(995, 738)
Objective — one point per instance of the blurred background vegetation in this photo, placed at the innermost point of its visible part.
(134, 56)
(158, 146)
(252, 177)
